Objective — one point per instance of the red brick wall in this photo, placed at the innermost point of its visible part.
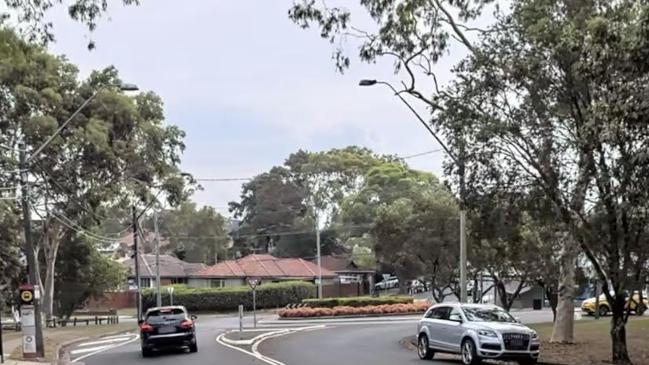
(113, 300)
(344, 290)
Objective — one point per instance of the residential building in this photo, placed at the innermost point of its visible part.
(172, 270)
(352, 280)
(267, 268)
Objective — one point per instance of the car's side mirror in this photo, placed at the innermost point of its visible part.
(193, 317)
(455, 318)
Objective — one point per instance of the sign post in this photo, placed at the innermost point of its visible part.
(253, 282)
(28, 321)
(170, 290)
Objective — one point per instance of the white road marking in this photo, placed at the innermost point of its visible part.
(118, 336)
(86, 350)
(135, 338)
(255, 352)
(115, 339)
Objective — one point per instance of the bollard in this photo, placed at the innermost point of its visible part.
(240, 320)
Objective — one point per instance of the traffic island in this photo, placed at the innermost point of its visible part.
(248, 337)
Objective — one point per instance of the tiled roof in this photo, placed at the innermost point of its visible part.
(169, 266)
(264, 266)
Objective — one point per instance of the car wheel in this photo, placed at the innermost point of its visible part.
(469, 353)
(193, 347)
(528, 362)
(641, 309)
(146, 352)
(603, 310)
(423, 349)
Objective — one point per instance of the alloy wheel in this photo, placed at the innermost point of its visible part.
(467, 353)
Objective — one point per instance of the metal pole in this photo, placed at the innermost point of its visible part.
(240, 319)
(596, 299)
(463, 268)
(32, 263)
(319, 256)
(171, 298)
(137, 266)
(254, 307)
(2, 352)
(157, 259)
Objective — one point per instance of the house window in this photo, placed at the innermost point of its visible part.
(145, 282)
(179, 281)
(217, 283)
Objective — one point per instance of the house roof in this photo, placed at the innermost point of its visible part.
(264, 266)
(341, 264)
(169, 266)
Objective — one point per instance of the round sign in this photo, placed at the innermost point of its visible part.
(26, 296)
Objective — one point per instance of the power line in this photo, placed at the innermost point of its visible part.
(227, 179)
(422, 154)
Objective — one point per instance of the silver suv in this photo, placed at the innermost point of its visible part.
(475, 331)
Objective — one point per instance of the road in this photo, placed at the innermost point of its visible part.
(341, 342)
(209, 352)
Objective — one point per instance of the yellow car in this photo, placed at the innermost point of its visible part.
(638, 308)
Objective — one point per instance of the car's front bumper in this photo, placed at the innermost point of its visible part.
(496, 350)
(169, 340)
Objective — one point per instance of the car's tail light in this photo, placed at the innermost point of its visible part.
(186, 324)
(145, 327)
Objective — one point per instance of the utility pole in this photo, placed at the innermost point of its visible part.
(157, 259)
(32, 264)
(319, 256)
(138, 295)
(460, 163)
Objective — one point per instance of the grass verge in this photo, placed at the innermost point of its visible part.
(593, 342)
(53, 337)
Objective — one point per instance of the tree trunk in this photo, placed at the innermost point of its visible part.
(618, 332)
(564, 324)
(552, 299)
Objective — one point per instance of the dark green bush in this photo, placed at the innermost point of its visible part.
(272, 295)
(357, 301)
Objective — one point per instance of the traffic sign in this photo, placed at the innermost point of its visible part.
(26, 294)
(253, 282)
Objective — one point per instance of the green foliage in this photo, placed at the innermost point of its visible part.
(287, 199)
(33, 20)
(195, 235)
(10, 266)
(272, 295)
(83, 273)
(357, 301)
(411, 220)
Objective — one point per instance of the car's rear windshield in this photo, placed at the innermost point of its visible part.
(163, 315)
(477, 314)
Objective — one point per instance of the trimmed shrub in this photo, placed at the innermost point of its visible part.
(272, 295)
(357, 301)
(306, 312)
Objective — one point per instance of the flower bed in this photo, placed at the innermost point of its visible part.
(307, 312)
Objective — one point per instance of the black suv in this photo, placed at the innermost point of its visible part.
(167, 327)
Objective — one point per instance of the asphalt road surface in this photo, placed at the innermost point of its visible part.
(353, 342)
(209, 352)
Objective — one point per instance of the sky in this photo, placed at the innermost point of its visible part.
(247, 85)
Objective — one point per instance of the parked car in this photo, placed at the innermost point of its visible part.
(389, 283)
(165, 327)
(476, 332)
(634, 305)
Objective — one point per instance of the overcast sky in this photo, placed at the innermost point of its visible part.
(247, 86)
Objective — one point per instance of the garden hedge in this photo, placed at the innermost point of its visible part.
(272, 295)
(357, 301)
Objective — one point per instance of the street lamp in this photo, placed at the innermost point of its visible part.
(460, 163)
(24, 163)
